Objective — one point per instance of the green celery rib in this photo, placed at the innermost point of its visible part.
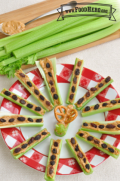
(52, 27)
(96, 93)
(30, 124)
(117, 132)
(7, 62)
(1, 48)
(71, 82)
(2, 53)
(102, 149)
(63, 37)
(18, 103)
(57, 160)
(86, 173)
(53, 60)
(104, 109)
(30, 147)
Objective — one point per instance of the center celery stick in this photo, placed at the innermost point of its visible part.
(75, 79)
(47, 68)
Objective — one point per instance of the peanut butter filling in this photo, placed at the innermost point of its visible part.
(76, 75)
(49, 73)
(98, 142)
(13, 27)
(53, 162)
(82, 156)
(18, 119)
(91, 92)
(31, 142)
(18, 99)
(32, 87)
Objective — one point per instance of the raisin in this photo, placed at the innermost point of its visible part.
(84, 159)
(55, 96)
(101, 126)
(76, 148)
(22, 75)
(71, 96)
(52, 89)
(47, 65)
(80, 100)
(11, 120)
(52, 163)
(51, 170)
(14, 97)
(7, 93)
(24, 145)
(87, 108)
(31, 140)
(89, 138)
(51, 82)
(44, 133)
(22, 101)
(36, 92)
(38, 120)
(17, 150)
(80, 155)
(29, 83)
(110, 126)
(118, 101)
(50, 74)
(96, 106)
(111, 150)
(73, 141)
(56, 144)
(96, 141)
(30, 119)
(108, 79)
(53, 157)
(2, 120)
(93, 125)
(93, 89)
(21, 119)
(42, 97)
(118, 125)
(47, 103)
(85, 124)
(75, 80)
(87, 166)
(104, 145)
(113, 102)
(87, 94)
(29, 105)
(81, 134)
(104, 104)
(37, 137)
(38, 109)
(73, 89)
(77, 72)
(79, 64)
(100, 85)
(54, 150)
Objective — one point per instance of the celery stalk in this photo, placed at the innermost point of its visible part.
(53, 60)
(63, 37)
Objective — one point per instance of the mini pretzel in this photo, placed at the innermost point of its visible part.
(67, 114)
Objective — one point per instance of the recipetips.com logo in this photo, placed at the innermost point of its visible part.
(86, 9)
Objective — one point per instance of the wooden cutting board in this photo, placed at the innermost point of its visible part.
(30, 12)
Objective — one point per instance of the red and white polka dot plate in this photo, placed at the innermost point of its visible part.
(34, 158)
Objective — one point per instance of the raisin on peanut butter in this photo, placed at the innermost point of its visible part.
(7, 93)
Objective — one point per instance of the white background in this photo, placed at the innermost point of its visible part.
(104, 59)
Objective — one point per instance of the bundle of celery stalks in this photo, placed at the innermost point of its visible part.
(54, 37)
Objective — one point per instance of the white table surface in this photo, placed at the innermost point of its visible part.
(104, 59)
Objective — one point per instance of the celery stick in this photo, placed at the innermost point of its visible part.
(63, 37)
(31, 145)
(1, 48)
(53, 60)
(7, 62)
(98, 146)
(103, 130)
(2, 53)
